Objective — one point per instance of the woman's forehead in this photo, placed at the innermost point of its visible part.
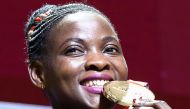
(84, 23)
(85, 18)
(80, 16)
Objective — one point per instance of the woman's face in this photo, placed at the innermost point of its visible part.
(83, 53)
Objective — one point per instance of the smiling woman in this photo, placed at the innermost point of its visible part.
(73, 50)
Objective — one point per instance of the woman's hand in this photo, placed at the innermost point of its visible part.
(156, 104)
(161, 105)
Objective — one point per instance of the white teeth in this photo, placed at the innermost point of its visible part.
(96, 83)
(102, 82)
(87, 84)
(90, 83)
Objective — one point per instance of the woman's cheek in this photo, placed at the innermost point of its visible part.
(122, 68)
(71, 66)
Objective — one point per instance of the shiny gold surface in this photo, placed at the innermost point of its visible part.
(128, 93)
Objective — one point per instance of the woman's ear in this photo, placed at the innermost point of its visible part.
(36, 73)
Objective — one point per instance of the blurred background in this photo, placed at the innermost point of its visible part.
(155, 35)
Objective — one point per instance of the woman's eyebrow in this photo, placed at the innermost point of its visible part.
(78, 40)
(109, 39)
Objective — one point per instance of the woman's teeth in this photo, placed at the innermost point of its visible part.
(95, 83)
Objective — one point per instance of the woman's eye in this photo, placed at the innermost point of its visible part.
(112, 50)
(74, 51)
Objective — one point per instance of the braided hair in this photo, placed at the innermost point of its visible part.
(42, 20)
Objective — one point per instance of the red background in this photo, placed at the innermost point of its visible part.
(155, 36)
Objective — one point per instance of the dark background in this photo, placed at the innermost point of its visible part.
(155, 36)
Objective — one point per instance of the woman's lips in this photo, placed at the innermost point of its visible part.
(94, 82)
(94, 90)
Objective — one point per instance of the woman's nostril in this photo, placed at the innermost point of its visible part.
(92, 67)
(96, 67)
(107, 67)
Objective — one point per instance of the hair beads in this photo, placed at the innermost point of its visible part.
(38, 20)
(43, 20)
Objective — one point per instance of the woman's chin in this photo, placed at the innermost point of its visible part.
(96, 100)
(92, 97)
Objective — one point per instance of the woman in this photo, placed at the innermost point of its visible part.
(73, 51)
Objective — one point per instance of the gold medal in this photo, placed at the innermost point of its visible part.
(128, 93)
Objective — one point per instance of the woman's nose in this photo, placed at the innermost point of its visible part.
(97, 62)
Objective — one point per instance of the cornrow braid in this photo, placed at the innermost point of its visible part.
(45, 18)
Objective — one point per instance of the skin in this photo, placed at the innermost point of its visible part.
(80, 45)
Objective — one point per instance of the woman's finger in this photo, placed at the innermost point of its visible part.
(161, 105)
(145, 103)
(157, 104)
(141, 108)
